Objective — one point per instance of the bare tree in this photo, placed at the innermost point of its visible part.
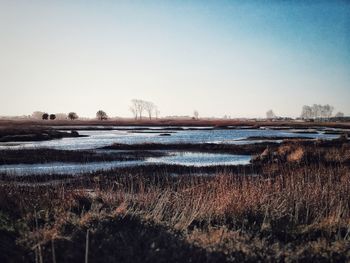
(327, 111)
(140, 107)
(270, 114)
(73, 116)
(101, 115)
(306, 112)
(149, 108)
(45, 116)
(52, 116)
(137, 108)
(317, 111)
(134, 108)
(134, 111)
(196, 114)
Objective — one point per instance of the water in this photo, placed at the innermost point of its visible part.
(97, 139)
(201, 159)
(179, 158)
(133, 135)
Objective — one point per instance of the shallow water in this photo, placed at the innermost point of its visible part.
(97, 139)
(133, 135)
(175, 158)
(201, 159)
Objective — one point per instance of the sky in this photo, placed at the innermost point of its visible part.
(235, 58)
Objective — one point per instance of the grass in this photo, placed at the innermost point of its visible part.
(295, 208)
(171, 122)
(300, 213)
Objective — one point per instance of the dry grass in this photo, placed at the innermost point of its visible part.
(170, 122)
(304, 208)
(296, 210)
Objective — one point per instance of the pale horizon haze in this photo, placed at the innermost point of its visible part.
(235, 58)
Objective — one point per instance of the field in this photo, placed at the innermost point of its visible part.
(290, 204)
(6, 123)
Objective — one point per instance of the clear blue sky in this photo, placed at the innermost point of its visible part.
(238, 58)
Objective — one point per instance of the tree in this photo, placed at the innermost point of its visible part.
(326, 111)
(317, 111)
(52, 116)
(101, 115)
(134, 111)
(139, 106)
(149, 107)
(270, 114)
(73, 116)
(196, 114)
(306, 112)
(339, 115)
(45, 116)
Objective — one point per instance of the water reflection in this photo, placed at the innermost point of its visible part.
(179, 158)
(101, 138)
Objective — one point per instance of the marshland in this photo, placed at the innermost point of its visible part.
(202, 194)
(174, 131)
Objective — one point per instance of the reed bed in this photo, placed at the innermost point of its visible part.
(298, 212)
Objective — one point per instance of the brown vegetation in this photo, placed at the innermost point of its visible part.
(177, 122)
(19, 134)
(296, 210)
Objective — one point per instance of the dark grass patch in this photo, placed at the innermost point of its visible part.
(127, 239)
(34, 134)
(41, 155)
(246, 149)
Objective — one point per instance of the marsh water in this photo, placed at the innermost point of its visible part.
(125, 135)
(138, 135)
(177, 158)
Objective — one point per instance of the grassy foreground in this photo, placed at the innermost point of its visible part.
(301, 215)
(296, 210)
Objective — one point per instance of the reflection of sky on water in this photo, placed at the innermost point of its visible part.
(98, 139)
(179, 158)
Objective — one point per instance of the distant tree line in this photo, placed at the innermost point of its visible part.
(318, 111)
(138, 107)
(100, 115)
(58, 116)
